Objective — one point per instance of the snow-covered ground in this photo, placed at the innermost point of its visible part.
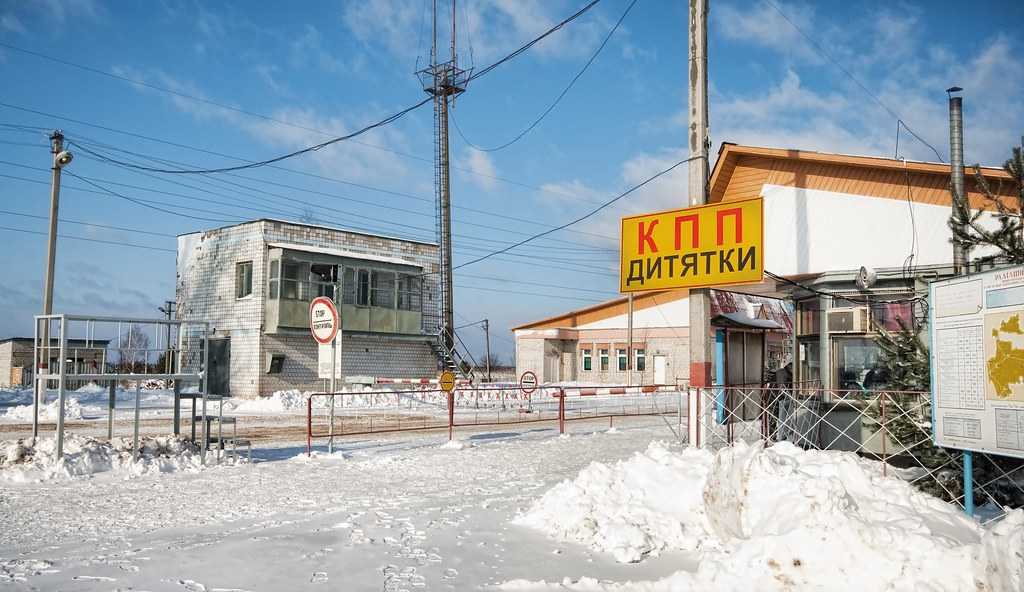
(512, 507)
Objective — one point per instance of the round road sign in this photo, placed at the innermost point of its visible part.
(324, 321)
(528, 382)
(447, 381)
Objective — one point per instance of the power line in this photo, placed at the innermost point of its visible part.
(541, 284)
(539, 294)
(557, 100)
(585, 216)
(91, 240)
(850, 75)
(93, 224)
(387, 120)
(144, 204)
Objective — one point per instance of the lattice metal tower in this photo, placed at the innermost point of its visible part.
(444, 81)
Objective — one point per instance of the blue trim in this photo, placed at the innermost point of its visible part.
(720, 375)
(931, 359)
(969, 483)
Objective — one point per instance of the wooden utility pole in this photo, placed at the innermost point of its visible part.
(701, 352)
(487, 340)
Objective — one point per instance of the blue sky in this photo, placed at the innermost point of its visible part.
(332, 67)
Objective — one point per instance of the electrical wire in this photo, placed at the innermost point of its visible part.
(144, 204)
(585, 216)
(81, 223)
(91, 240)
(831, 58)
(387, 120)
(557, 100)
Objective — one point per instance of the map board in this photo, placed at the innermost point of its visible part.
(977, 351)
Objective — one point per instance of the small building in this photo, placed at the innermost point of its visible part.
(16, 359)
(253, 282)
(591, 345)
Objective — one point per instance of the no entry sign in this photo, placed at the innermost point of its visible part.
(323, 320)
(528, 382)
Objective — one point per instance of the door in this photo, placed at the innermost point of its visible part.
(568, 366)
(660, 368)
(219, 381)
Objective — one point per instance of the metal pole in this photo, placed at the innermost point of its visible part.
(177, 408)
(135, 431)
(334, 377)
(60, 388)
(205, 386)
(36, 388)
(487, 341)
(56, 147)
(969, 483)
(956, 170)
(111, 403)
(629, 341)
(697, 137)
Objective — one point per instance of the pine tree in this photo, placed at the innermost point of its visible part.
(1008, 238)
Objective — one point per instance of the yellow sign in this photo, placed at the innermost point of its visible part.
(703, 246)
(447, 381)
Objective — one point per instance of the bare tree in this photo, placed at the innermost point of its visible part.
(1008, 238)
(132, 350)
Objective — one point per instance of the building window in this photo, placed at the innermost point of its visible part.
(604, 360)
(588, 361)
(857, 364)
(275, 281)
(641, 361)
(363, 288)
(291, 285)
(620, 355)
(410, 294)
(383, 289)
(243, 279)
(808, 317)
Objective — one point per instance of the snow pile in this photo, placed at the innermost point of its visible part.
(48, 412)
(779, 518)
(279, 402)
(21, 462)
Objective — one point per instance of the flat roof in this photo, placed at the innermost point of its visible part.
(343, 253)
(320, 226)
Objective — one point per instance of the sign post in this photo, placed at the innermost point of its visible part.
(324, 324)
(528, 384)
(447, 383)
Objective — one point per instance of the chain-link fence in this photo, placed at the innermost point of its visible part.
(893, 427)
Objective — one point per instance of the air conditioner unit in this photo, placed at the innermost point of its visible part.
(849, 320)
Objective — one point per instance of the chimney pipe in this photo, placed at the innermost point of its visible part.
(956, 169)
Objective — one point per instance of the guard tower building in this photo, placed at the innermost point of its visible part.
(253, 283)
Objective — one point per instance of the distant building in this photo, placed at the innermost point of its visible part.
(253, 283)
(16, 359)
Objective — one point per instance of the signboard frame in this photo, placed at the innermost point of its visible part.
(968, 323)
(695, 210)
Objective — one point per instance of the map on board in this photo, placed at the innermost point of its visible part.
(977, 354)
(1004, 356)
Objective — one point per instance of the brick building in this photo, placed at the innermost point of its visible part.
(16, 358)
(253, 283)
(590, 345)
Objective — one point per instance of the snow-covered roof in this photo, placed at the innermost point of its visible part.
(343, 253)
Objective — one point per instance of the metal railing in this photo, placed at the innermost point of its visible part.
(336, 415)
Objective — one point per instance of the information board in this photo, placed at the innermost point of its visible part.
(977, 354)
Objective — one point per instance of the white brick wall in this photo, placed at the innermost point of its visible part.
(206, 291)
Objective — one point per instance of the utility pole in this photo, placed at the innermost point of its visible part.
(487, 340)
(629, 340)
(61, 158)
(169, 309)
(701, 352)
(444, 81)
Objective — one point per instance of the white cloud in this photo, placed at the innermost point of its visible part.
(60, 10)
(308, 48)
(762, 25)
(268, 73)
(482, 168)
(491, 27)
(12, 23)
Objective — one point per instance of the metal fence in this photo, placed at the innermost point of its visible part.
(893, 427)
(335, 415)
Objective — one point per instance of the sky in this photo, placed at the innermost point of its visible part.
(207, 84)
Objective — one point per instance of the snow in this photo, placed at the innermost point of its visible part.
(20, 462)
(48, 412)
(777, 518)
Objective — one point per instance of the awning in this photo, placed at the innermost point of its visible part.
(742, 321)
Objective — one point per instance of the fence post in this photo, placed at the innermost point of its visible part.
(451, 415)
(882, 432)
(111, 403)
(561, 411)
(309, 426)
(969, 483)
